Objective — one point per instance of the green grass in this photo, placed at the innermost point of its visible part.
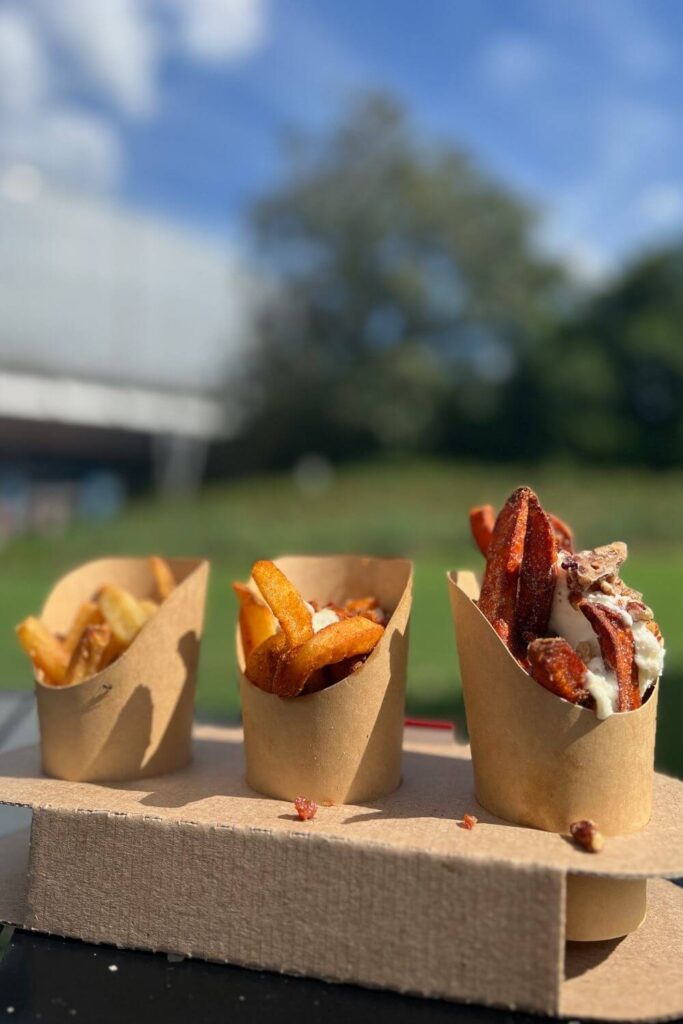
(418, 510)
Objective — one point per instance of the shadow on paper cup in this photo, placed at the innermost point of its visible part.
(134, 719)
(342, 744)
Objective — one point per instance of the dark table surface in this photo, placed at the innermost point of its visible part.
(43, 978)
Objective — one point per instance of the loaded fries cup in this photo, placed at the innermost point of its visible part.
(118, 705)
(560, 663)
(322, 680)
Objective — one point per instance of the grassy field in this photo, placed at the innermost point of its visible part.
(417, 510)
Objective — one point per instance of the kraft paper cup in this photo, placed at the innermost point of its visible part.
(134, 719)
(342, 744)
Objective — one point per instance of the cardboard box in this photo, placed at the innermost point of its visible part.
(133, 719)
(393, 894)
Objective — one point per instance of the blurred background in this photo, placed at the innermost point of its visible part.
(300, 275)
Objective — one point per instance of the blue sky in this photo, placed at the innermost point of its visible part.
(179, 106)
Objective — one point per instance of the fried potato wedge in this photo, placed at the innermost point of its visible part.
(256, 620)
(89, 656)
(285, 602)
(261, 665)
(88, 614)
(618, 651)
(163, 576)
(47, 653)
(122, 612)
(341, 640)
(537, 577)
(555, 665)
(498, 596)
(482, 522)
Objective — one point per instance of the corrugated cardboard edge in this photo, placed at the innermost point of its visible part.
(342, 744)
(539, 760)
(134, 719)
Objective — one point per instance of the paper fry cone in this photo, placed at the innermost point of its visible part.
(539, 760)
(342, 744)
(133, 719)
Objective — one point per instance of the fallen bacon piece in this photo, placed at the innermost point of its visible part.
(537, 577)
(555, 664)
(262, 663)
(586, 834)
(482, 522)
(348, 638)
(564, 535)
(285, 602)
(498, 596)
(256, 619)
(306, 809)
(618, 650)
(469, 821)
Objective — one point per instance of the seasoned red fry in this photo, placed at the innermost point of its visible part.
(262, 663)
(555, 664)
(564, 535)
(537, 577)
(346, 639)
(482, 522)
(498, 595)
(285, 602)
(618, 650)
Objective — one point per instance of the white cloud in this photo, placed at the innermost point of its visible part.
(661, 205)
(23, 70)
(511, 63)
(219, 30)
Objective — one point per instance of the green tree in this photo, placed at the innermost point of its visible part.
(407, 300)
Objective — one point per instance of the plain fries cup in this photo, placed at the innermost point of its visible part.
(342, 744)
(133, 719)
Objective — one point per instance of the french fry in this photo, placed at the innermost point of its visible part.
(88, 614)
(618, 651)
(262, 663)
(359, 605)
(256, 619)
(555, 664)
(149, 606)
(285, 602)
(122, 612)
(537, 577)
(47, 653)
(482, 522)
(88, 657)
(346, 639)
(498, 596)
(163, 577)
(564, 535)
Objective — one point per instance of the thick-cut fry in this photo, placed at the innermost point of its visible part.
(555, 664)
(482, 522)
(346, 639)
(618, 650)
(256, 619)
(262, 663)
(564, 535)
(359, 605)
(163, 577)
(536, 577)
(88, 614)
(88, 658)
(122, 613)
(498, 595)
(47, 653)
(148, 606)
(285, 602)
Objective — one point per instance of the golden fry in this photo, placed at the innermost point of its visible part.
(163, 577)
(88, 614)
(285, 602)
(346, 639)
(89, 656)
(49, 658)
(262, 663)
(256, 619)
(122, 612)
(148, 606)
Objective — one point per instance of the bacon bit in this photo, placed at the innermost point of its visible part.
(469, 821)
(305, 808)
(585, 833)
(328, 803)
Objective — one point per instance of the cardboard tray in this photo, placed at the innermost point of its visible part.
(393, 894)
